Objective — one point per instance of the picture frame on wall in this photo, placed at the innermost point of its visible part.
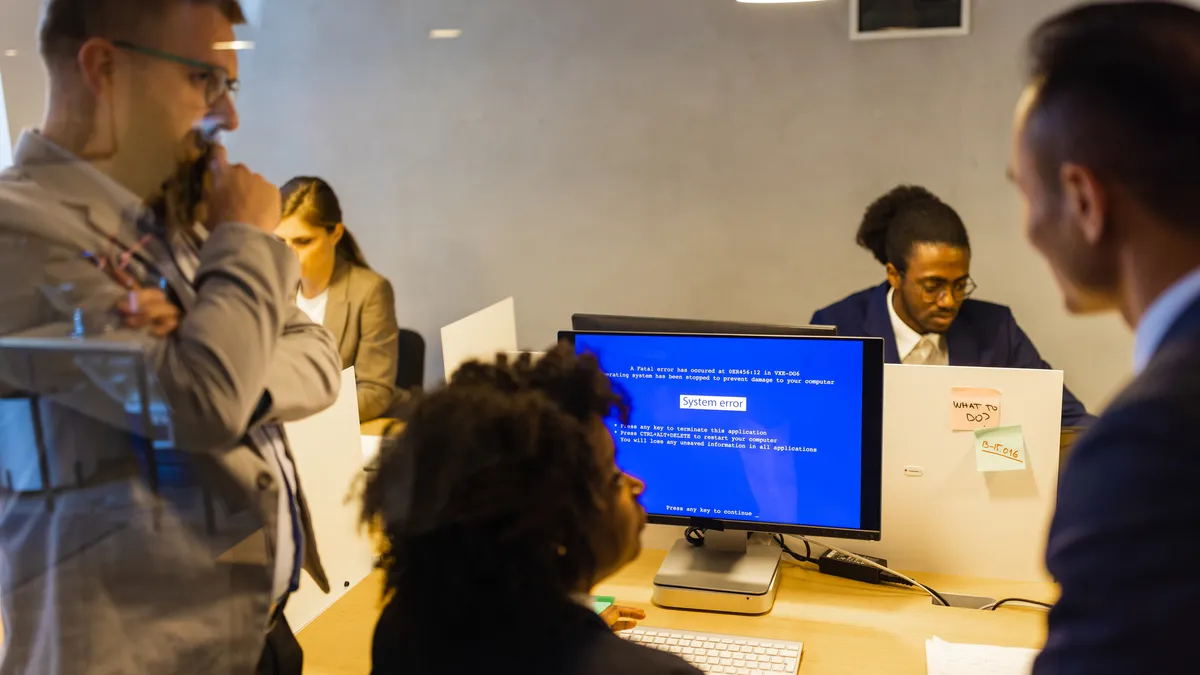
(898, 19)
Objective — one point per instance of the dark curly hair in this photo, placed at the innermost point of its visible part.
(906, 216)
(492, 491)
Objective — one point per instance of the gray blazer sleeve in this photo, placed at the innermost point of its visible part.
(305, 373)
(241, 339)
(375, 362)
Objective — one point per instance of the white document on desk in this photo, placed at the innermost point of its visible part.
(370, 449)
(951, 658)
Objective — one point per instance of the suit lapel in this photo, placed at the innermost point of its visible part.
(879, 323)
(113, 236)
(337, 306)
(110, 209)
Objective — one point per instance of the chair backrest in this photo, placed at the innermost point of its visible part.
(410, 366)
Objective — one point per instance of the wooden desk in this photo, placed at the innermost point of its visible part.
(847, 628)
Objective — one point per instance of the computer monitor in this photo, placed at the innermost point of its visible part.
(736, 433)
(650, 324)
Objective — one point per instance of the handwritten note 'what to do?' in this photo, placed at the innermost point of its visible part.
(974, 408)
(1000, 449)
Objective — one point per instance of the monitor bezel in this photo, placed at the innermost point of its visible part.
(871, 488)
(678, 326)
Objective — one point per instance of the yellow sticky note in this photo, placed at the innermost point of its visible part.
(1000, 449)
(974, 408)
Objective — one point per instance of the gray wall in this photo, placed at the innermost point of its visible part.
(677, 157)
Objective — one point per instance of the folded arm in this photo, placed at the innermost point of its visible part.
(305, 374)
(214, 370)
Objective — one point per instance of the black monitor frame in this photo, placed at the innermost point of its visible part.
(614, 323)
(871, 488)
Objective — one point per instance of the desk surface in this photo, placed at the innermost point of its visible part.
(847, 627)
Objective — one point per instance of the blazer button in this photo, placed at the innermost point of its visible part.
(264, 481)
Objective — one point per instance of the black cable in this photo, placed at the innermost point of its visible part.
(898, 578)
(1035, 603)
(694, 536)
(807, 557)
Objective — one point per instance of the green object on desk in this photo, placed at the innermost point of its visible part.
(601, 603)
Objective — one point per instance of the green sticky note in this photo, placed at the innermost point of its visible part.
(601, 603)
(1000, 449)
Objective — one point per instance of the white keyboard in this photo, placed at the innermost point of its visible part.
(722, 654)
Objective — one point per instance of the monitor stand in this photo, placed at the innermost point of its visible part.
(726, 574)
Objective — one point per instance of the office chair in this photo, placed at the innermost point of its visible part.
(410, 365)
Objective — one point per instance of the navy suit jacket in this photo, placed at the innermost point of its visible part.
(1125, 539)
(983, 334)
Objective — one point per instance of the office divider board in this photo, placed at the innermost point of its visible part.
(940, 513)
(482, 335)
(328, 452)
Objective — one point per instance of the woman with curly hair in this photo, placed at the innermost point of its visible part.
(501, 506)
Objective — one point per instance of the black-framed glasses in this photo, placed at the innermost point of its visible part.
(932, 290)
(218, 83)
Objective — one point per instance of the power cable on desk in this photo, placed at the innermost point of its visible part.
(1036, 603)
(887, 570)
(807, 557)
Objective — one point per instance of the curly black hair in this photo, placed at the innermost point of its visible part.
(905, 216)
(494, 489)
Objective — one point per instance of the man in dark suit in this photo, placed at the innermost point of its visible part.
(924, 312)
(1105, 157)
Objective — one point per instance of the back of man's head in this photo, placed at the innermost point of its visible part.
(1119, 94)
(67, 24)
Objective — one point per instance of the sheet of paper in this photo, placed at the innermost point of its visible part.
(951, 658)
(370, 448)
(1000, 449)
(974, 408)
(482, 335)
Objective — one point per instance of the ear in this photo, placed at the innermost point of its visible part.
(338, 231)
(894, 276)
(1084, 202)
(97, 63)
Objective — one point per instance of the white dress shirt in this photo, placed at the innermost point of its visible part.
(916, 349)
(314, 307)
(1161, 315)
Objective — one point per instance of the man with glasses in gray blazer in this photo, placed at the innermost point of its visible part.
(112, 559)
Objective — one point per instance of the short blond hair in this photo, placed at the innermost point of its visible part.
(67, 24)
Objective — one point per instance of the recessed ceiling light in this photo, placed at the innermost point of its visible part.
(10, 52)
(444, 33)
(236, 45)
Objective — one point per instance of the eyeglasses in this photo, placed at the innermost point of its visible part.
(933, 289)
(218, 83)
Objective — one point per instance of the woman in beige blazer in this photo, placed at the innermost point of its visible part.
(340, 291)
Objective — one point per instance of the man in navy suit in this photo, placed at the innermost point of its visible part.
(923, 311)
(1106, 154)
